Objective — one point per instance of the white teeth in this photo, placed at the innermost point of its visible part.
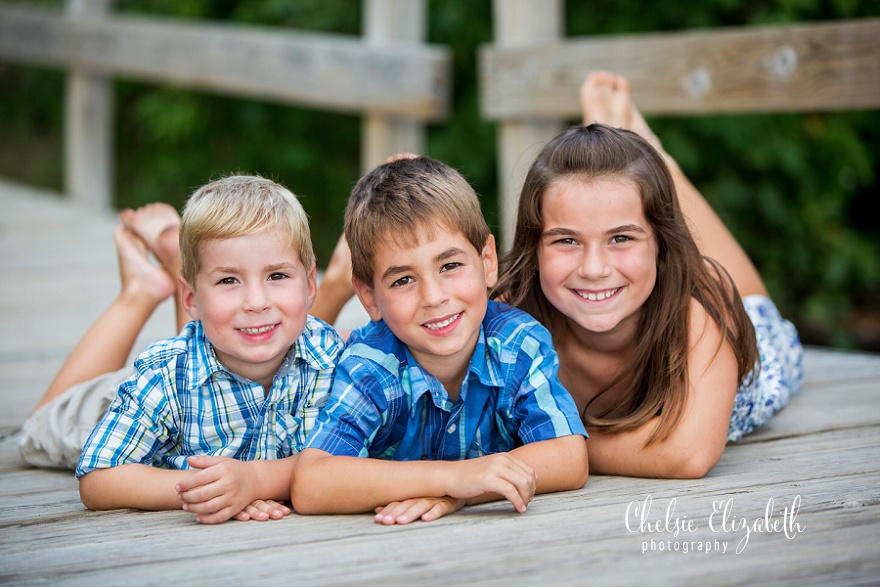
(599, 296)
(260, 330)
(444, 324)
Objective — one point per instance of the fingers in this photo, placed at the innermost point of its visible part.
(410, 510)
(262, 510)
(501, 474)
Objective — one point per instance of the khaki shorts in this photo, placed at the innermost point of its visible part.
(54, 436)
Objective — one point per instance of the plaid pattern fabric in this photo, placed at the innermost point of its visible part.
(181, 401)
(384, 405)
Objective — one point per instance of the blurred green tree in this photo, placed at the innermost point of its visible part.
(796, 189)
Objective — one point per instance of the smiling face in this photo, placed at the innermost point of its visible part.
(597, 255)
(252, 294)
(433, 296)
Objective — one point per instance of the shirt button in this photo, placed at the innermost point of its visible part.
(451, 428)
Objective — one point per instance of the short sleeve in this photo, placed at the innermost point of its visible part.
(137, 427)
(354, 411)
(543, 406)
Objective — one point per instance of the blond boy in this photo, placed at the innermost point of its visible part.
(212, 420)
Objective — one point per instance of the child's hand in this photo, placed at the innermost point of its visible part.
(425, 509)
(223, 488)
(500, 473)
(262, 510)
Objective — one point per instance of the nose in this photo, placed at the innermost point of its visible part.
(433, 292)
(594, 264)
(256, 299)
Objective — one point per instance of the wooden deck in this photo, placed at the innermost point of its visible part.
(802, 497)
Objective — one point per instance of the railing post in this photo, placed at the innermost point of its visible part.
(391, 21)
(519, 23)
(88, 124)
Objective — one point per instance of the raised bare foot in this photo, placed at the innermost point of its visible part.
(158, 226)
(338, 270)
(401, 156)
(335, 288)
(141, 279)
(607, 98)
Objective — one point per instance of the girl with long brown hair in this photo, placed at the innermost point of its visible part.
(667, 338)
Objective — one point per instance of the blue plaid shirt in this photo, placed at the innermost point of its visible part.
(384, 405)
(181, 401)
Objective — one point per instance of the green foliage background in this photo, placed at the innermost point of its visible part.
(796, 189)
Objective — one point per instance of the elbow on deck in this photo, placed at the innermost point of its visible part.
(695, 463)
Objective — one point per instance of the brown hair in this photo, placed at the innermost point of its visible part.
(659, 362)
(241, 205)
(397, 199)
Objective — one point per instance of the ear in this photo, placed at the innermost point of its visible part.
(188, 298)
(367, 298)
(312, 282)
(490, 261)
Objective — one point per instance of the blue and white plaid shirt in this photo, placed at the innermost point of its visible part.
(181, 401)
(384, 405)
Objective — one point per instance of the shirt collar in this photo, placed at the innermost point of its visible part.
(204, 362)
(485, 365)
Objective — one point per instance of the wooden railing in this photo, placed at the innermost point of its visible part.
(389, 76)
(530, 75)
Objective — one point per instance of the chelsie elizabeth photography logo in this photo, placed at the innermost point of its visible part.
(671, 533)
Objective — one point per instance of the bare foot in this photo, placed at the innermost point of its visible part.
(141, 279)
(157, 225)
(335, 288)
(607, 98)
(338, 270)
(401, 156)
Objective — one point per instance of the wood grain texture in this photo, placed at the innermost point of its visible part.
(330, 72)
(805, 67)
(823, 450)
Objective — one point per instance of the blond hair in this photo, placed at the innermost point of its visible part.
(241, 205)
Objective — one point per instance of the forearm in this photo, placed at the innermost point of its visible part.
(560, 463)
(273, 478)
(626, 453)
(131, 486)
(325, 484)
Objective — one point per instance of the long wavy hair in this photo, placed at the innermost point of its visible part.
(658, 365)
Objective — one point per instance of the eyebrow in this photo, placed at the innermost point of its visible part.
(562, 231)
(628, 228)
(559, 231)
(398, 269)
(267, 268)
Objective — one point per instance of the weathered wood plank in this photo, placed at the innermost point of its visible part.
(331, 72)
(520, 25)
(396, 22)
(560, 539)
(88, 124)
(820, 407)
(803, 67)
(824, 447)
